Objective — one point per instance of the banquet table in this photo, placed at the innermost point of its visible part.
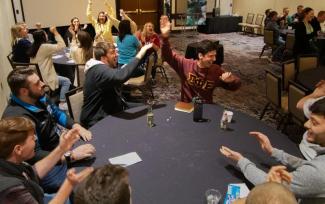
(181, 158)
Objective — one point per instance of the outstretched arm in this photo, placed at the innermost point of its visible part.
(89, 13)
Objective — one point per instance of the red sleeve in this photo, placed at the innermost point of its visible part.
(156, 40)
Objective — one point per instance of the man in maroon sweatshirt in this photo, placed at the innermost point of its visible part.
(198, 77)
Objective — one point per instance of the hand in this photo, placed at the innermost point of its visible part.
(264, 141)
(164, 26)
(76, 178)
(83, 151)
(279, 174)
(86, 135)
(53, 30)
(143, 50)
(85, 27)
(122, 14)
(67, 139)
(235, 156)
(72, 30)
(227, 77)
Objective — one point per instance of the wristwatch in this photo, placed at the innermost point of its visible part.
(68, 156)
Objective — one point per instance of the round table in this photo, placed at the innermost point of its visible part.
(63, 65)
(181, 158)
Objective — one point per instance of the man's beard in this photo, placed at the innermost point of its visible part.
(35, 96)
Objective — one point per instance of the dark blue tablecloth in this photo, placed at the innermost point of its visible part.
(64, 67)
(181, 158)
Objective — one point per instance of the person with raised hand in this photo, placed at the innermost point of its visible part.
(308, 181)
(198, 77)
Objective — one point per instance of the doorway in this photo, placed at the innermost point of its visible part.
(142, 11)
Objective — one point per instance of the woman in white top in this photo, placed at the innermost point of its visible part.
(41, 53)
(81, 49)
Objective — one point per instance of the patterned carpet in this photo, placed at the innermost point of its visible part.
(241, 57)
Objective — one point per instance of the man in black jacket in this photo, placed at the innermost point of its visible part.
(103, 81)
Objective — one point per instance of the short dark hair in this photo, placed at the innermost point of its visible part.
(39, 39)
(267, 12)
(321, 13)
(107, 184)
(272, 14)
(13, 131)
(318, 107)
(269, 193)
(206, 46)
(300, 6)
(17, 79)
(124, 28)
(101, 49)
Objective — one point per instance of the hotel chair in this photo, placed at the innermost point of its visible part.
(249, 21)
(75, 101)
(288, 73)
(288, 50)
(9, 57)
(35, 66)
(80, 75)
(306, 62)
(258, 24)
(160, 65)
(268, 40)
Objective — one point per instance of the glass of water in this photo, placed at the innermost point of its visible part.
(213, 196)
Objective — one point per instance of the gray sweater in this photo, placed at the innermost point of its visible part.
(308, 181)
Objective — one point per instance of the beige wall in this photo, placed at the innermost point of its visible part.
(242, 7)
(60, 12)
(6, 20)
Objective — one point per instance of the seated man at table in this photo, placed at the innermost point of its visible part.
(19, 182)
(283, 20)
(102, 94)
(198, 77)
(28, 99)
(295, 17)
(304, 104)
(278, 41)
(107, 184)
(308, 181)
(317, 21)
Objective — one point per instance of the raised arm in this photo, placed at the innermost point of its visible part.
(43, 166)
(318, 92)
(89, 13)
(50, 49)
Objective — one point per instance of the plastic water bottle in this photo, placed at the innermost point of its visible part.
(150, 116)
(198, 109)
(224, 120)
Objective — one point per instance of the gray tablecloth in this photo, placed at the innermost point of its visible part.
(181, 158)
(64, 66)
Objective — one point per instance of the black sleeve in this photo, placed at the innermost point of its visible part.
(118, 76)
(17, 195)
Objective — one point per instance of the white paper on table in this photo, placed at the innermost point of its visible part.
(57, 56)
(125, 159)
(71, 61)
(244, 191)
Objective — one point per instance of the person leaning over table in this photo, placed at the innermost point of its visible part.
(198, 77)
(104, 22)
(308, 180)
(28, 100)
(102, 95)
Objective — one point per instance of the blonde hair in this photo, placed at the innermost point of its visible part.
(15, 30)
(144, 31)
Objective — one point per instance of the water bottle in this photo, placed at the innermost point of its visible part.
(198, 109)
(150, 116)
(224, 120)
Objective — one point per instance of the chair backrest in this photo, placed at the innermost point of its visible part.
(75, 101)
(273, 88)
(288, 73)
(150, 64)
(290, 41)
(306, 62)
(295, 93)
(35, 66)
(80, 74)
(268, 37)
(259, 19)
(9, 57)
(250, 18)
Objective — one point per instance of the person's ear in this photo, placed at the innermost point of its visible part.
(23, 92)
(200, 55)
(18, 150)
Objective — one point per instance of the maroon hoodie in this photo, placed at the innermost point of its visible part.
(196, 81)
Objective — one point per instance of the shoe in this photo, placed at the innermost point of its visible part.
(63, 106)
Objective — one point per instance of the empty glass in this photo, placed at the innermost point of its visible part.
(213, 196)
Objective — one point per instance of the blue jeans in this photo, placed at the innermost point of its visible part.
(277, 54)
(64, 83)
(54, 178)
